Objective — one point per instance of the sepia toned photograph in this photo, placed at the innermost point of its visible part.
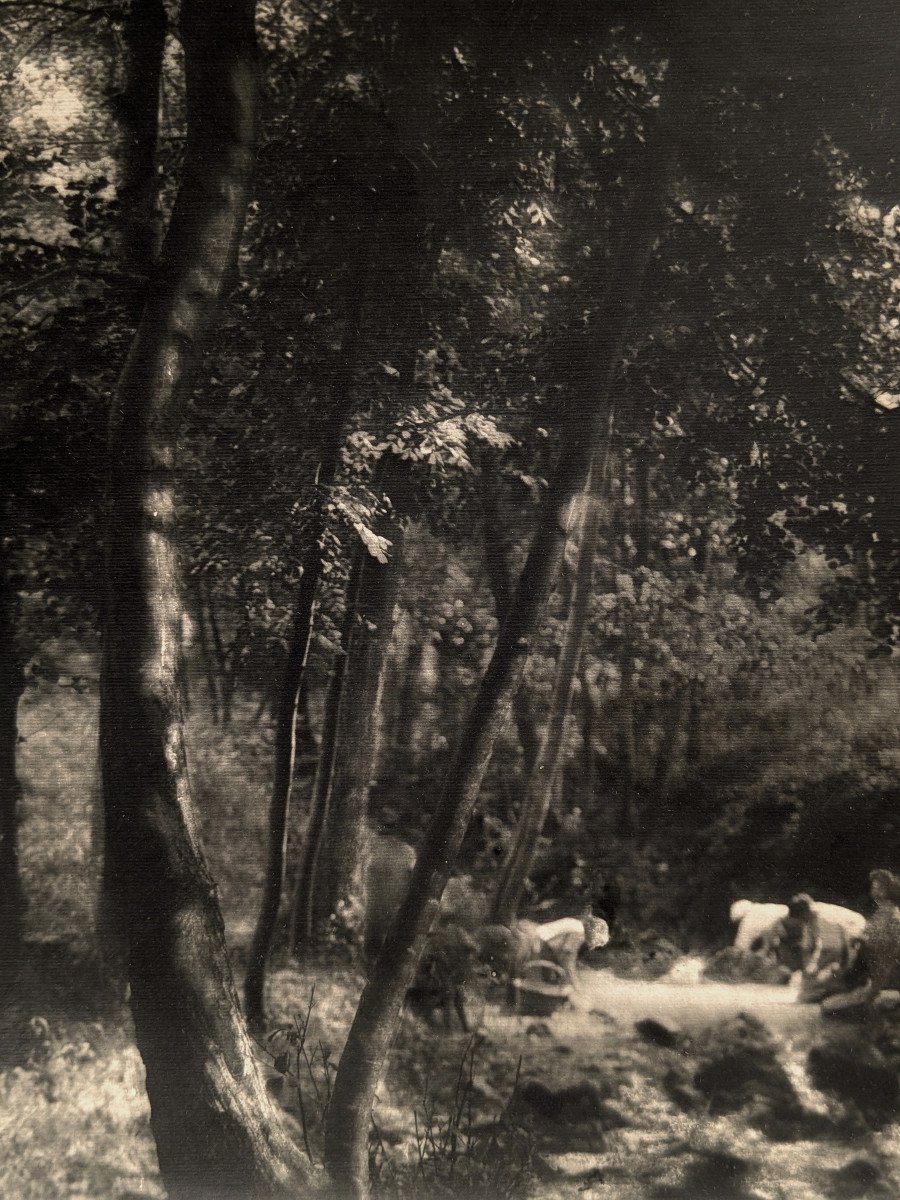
(449, 600)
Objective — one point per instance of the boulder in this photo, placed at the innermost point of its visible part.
(739, 1070)
(733, 965)
(565, 1120)
(856, 1073)
(859, 1177)
(657, 1034)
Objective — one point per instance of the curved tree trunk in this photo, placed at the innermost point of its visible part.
(339, 885)
(546, 768)
(295, 665)
(349, 1115)
(216, 1130)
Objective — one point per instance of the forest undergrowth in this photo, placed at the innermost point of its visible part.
(580, 1104)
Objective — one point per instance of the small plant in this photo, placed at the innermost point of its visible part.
(456, 1154)
(307, 1077)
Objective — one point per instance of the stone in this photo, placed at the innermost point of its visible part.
(579, 1103)
(858, 1074)
(657, 1034)
(859, 1177)
(538, 1029)
(716, 1175)
(732, 965)
(739, 1069)
(678, 1087)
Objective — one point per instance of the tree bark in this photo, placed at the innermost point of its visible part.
(144, 37)
(339, 889)
(302, 933)
(546, 768)
(500, 583)
(212, 682)
(627, 824)
(693, 749)
(12, 684)
(295, 665)
(216, 1130)
(362, 1062)
(225, 659)
(667, 758)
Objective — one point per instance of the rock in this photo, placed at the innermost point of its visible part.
(573, 1105)
(859, 1177)
(605, 1017)
(657, 1033)
(682, 1093)
(858, 1074)
(538, 1029)
(615, 1117)
(739, 1069)
(716, 1175)
(744, 966)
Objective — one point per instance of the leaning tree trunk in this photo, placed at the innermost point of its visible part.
(216, 1130)
(12, 684)
(543, 776)
(362, 1061)
(338, 896)
(295, 665)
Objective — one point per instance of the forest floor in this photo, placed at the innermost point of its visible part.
(640, 1089)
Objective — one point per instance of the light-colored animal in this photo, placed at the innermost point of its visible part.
(754, 921)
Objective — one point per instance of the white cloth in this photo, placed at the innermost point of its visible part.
(852, 923)
(554, 929)
(757, 920)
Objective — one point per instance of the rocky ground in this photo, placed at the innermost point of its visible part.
(652, 1084)
(596, 1102)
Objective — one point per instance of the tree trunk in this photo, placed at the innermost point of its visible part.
(627, 824)
(500, 583)
(546, 768)
(12, 684)
(302, 933)
(668, 755)
(339, 891)
(144, 38)
(216, 1130)
(399, 665)
(298, 652)
(212, 682)
(588, 752)
(346, 1135)
(224, 658)
(409, 700)
(693, 750)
